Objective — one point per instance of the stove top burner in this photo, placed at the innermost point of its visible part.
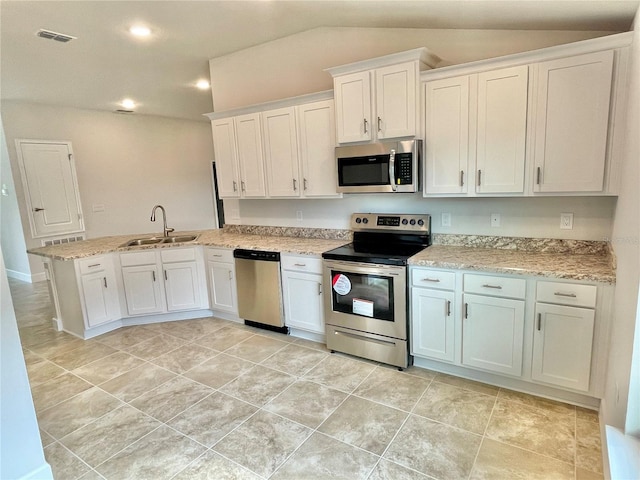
(385, 239)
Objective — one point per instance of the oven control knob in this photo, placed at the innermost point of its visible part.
(412, 221)
(405, 221)
(421, 222)
(365, 220)
(358, 220)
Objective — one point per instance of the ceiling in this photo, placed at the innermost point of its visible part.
(106, 64)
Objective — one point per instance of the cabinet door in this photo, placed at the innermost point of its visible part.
(142, 289)
(432, 321)
(493, 333)
(502, 128)
(353, 107)
(396, 101)
(182, 286)
(572, 116)
(562, 344)
(226, 157)
(250, 155)
(317, 139)
(99, 295)
(281, 152)
(302, 294)
(222, 279)
(446, 135)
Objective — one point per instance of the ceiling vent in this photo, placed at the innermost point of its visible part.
(58, 37)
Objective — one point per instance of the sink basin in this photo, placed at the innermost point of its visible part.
(179, 239)
(137, 242)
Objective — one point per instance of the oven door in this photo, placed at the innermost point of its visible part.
(366, 297)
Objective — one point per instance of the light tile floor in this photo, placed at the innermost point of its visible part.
(210, 399)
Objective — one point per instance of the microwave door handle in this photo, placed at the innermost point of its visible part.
(392, 169)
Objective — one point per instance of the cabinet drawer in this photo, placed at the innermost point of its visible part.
(493, 285)
(169, 255)
(566, 294)
(138, 258)
(301, 263)
(92, 264)
(433, 279)
(219, 255)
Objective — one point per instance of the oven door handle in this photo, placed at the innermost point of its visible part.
(392, 169)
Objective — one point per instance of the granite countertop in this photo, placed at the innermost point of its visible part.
(210, 238)
(575, 260)
(595, 267)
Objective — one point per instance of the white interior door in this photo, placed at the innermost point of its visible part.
(51, 187)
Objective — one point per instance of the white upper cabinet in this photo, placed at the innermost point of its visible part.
(376, 99)
(353, 107)
(281, 152)
(250, 155)
(446, 135)
(396, 100)
(226, 156)
(501, 130)
(317, 141)
(571, 122)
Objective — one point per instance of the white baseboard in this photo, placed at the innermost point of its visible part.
(40, 473)
(24, 277)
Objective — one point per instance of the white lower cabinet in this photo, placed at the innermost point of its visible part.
(433, 324)
(302, 293)
(222, 280)
(493, 334)
(99, 291)
(161, 281)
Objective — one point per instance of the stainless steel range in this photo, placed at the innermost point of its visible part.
(365, 286)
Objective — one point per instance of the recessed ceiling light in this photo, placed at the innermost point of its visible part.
(128, 103)
(203, 84)
(140, 31)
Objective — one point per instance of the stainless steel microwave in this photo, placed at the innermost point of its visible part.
(383, 167)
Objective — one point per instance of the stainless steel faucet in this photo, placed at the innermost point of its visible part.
(166, 230)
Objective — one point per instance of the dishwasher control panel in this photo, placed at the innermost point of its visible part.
(262, 255)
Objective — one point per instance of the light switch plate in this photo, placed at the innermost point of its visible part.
(298, 215)
(446, 220)
(495, 220)
(566, 221)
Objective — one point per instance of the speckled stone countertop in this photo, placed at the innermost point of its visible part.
(595, 267)
(213, 238)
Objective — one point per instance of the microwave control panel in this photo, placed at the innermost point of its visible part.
(404, 169)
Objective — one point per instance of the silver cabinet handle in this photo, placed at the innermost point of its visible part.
(93, 265)
(379, 124)
(165, 275)
(153, 275)
(319, 289)
(466, 310)
(448, 309)
(235, 186)
(365, 125)
(295, 185)
(299, 264)
(538, 175)
(392, 169)
(435, 280)
(230, 275)
(38, 209)
(539, 321)
(304, 183)
(497, 287)
(243, 187)
(479, 177)
(216, 255)
(104, 279)
(462, 178)
(561, 294)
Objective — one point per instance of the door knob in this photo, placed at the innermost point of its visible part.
(38, 209)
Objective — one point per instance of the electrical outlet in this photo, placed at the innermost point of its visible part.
(495, 219)
(446, 220)
(566, 221)
(298, 214)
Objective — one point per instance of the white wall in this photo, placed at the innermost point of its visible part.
(21, 454)
(520, 217)
(626, 244)
(294, 65)
(128, 163)
(11, 233)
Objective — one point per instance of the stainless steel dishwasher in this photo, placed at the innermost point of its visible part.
(259, 292)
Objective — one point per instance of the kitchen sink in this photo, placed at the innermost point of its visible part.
(137, 242)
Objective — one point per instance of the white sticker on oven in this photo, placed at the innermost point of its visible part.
(363, 307)
(341, 284)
